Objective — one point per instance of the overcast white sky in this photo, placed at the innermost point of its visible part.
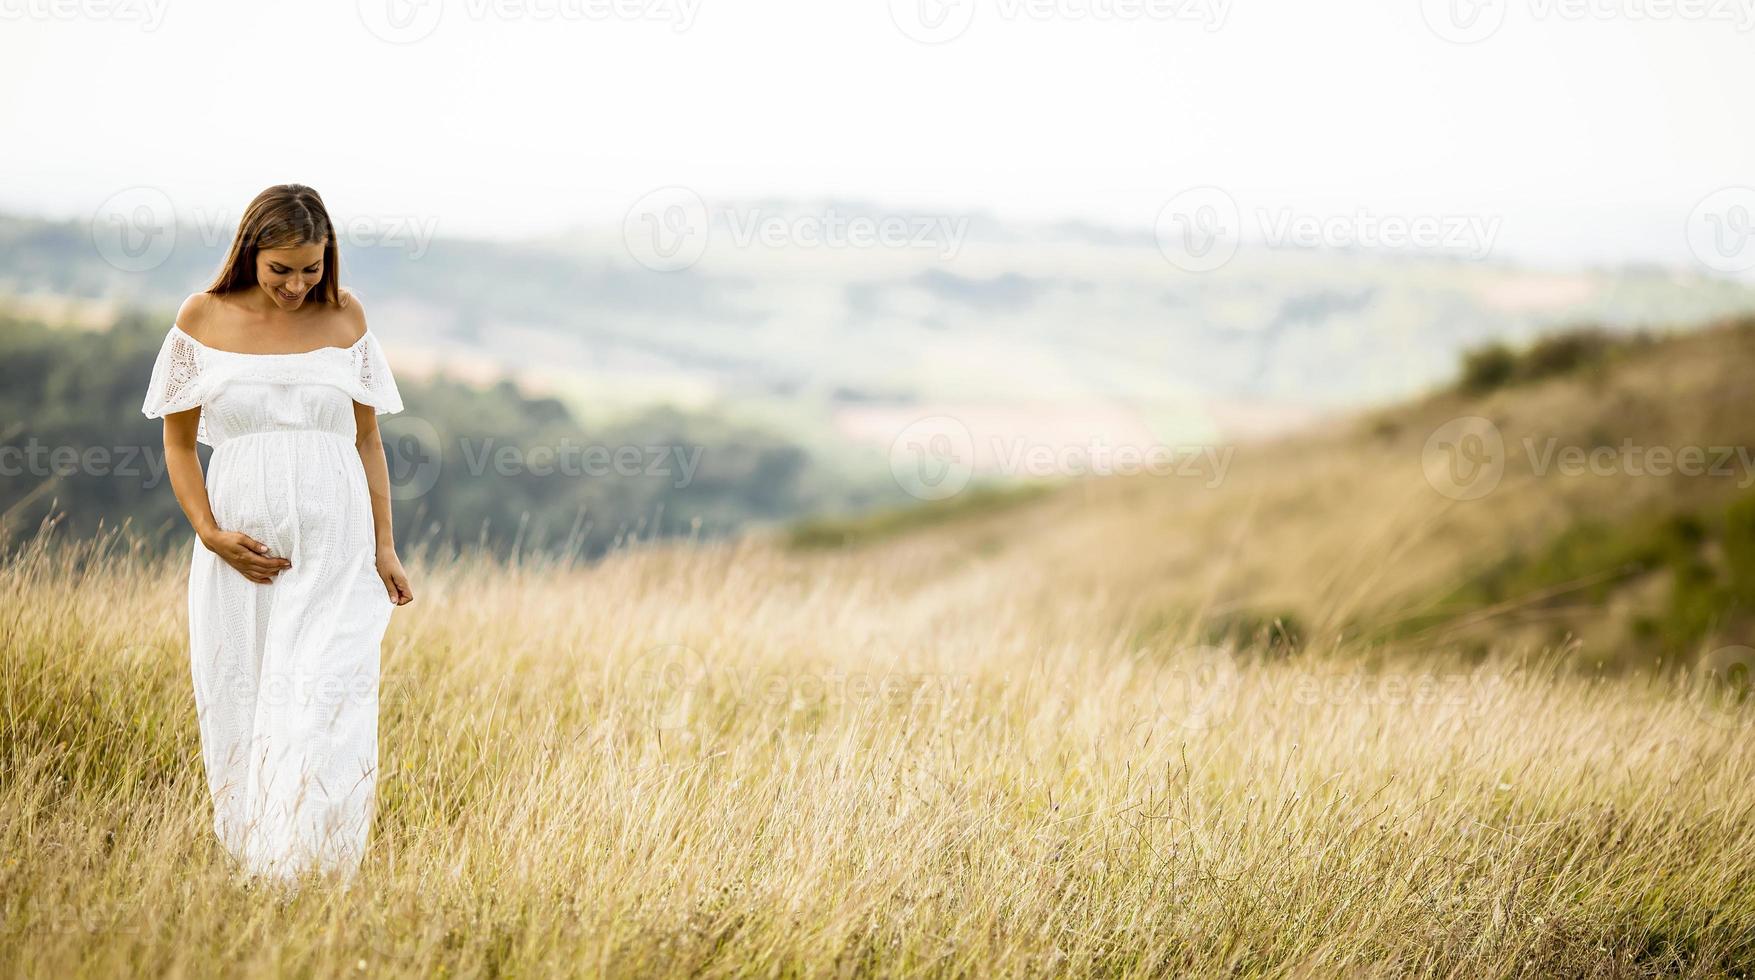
(1591, 134)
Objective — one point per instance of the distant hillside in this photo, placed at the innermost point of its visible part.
(1593, 492)
(1062, 328)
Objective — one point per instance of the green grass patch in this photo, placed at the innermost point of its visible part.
(1498, 365)
(1708, 558)
(843, 532)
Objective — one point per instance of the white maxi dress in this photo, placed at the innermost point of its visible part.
(286, 674)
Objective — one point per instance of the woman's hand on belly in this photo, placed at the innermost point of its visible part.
(246, 554)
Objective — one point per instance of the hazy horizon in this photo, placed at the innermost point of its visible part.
(1585, 132)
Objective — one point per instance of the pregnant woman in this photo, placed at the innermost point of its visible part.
(294, 572)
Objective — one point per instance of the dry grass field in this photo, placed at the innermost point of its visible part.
(1074, 736)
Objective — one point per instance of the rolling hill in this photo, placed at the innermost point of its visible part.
(1610, 507)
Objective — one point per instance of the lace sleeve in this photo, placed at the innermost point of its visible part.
(376, 386)
(177, 379)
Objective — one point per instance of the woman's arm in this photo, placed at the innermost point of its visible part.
(244, 553)
(371, 449)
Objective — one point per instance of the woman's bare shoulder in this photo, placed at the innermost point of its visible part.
(196, 313)
(353, 313)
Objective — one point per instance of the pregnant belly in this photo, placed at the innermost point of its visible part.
(301, 493)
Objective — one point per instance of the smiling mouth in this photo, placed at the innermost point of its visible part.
(289, 297)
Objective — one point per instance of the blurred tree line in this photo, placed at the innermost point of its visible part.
(470, 466)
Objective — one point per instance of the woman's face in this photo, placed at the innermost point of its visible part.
(288, 274)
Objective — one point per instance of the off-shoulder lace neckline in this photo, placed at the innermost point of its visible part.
(297, 353)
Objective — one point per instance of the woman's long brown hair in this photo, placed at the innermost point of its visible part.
(283, 216)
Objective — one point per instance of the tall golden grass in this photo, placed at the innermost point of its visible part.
(1005, 747)
(727, 760)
